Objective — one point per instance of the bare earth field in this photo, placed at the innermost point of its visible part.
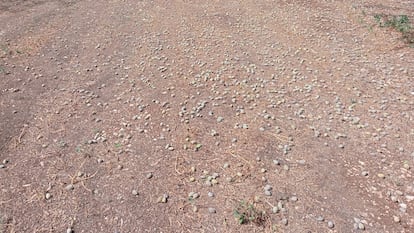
(205, 116)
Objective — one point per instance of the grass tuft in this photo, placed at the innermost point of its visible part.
(401, 23)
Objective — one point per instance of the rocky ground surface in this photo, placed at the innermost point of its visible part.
(205, 116)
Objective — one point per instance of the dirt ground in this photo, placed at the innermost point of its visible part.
(205, 116)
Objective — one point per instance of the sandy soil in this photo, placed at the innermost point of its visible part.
(205, 116)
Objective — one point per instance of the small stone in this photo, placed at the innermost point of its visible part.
(361, 226)
(164, 198)
(69, 187)
(195, 195)
(5, 161)
(403, 207)
(294, 198)
(195, 209)
(276, 162)
(364, 173)
(396, 219)
(280, 205)
(380, 175)
(210, 194)
(135, 192)
(285, 221)
(268, 193)
(192, 179)
(220, 119)
(2, 166)
(301, 162)
(263, 170)
(48, 196)
(267, 187)
(149, 175)
(320, 219)
(331, 224)
(226, 165)
(69, 230)
(409, 198)
(275, 210)
(211, 210)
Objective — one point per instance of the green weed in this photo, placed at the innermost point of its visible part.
(400, 23)
(247, 212)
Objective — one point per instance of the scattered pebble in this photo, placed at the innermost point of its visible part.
(48, 196)
(149, 175)
(294, 198)
(211, 210)
(396, 219)
(285, 221)
(135, 192)
(163, 198)
(69, 187)
(267, 187)
(331, 224)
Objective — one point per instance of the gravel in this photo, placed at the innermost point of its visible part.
(211, 210)
(69, 187)
(48, 196)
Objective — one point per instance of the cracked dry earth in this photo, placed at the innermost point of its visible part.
(205, 116)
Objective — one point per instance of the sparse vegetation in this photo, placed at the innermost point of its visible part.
(401, 23)
(247, 212)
